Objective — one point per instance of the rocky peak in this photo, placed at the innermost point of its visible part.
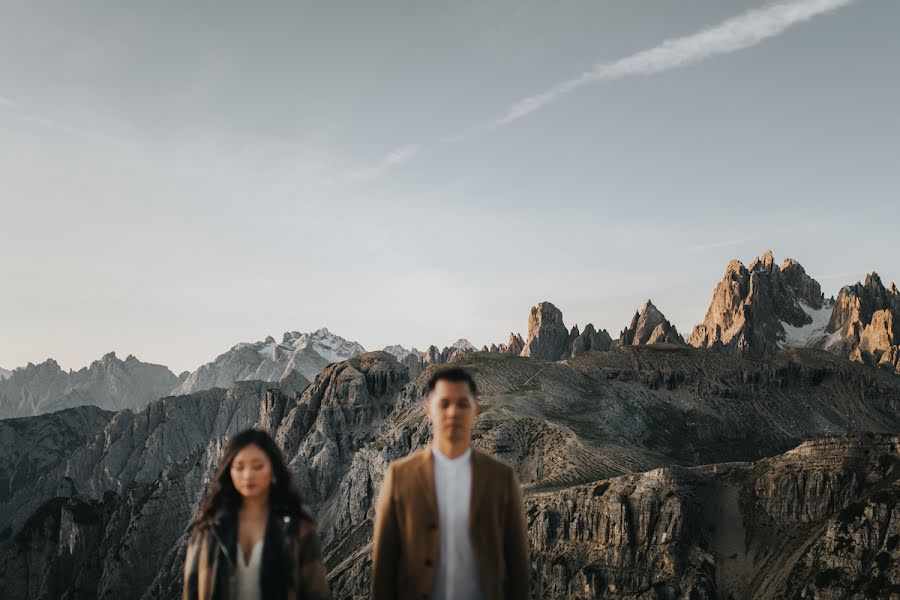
(108, 382)
(547, 334)
(515, 345)
(590, 340)
(306, 353)
(806, 288)
(432, 355)
(649, 326)
(751, 308)
(462, 344)
(401, 353)
(764, 263)
(865, 323)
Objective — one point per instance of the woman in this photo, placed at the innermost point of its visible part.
(253, 538)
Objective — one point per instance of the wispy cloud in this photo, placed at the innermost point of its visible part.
(19, 113)
(737, 33)
(394, 158)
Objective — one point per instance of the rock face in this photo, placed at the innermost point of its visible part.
(400, 353)
(649, 326)
(109, 383)
(805, 287)
(547, 334)
(752, 307)
(305, 353)
(101, 519)
(31, 446)
(514, 346)
(590, 340)
(865, 324)
(819, 521)
(5, 373)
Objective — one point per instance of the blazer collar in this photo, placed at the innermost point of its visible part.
(425, 476)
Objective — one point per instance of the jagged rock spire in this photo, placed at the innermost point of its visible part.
(649, 326)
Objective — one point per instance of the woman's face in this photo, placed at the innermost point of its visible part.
(251, 471)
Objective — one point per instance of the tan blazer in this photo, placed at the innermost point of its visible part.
(407, 536)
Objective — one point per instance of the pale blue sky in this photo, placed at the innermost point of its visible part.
(177, 178)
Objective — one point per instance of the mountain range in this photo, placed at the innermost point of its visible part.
(109, 383)
(754, 311)
(758, 458)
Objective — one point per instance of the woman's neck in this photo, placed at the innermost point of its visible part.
(256, 506)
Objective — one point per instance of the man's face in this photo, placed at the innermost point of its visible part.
(452, 409)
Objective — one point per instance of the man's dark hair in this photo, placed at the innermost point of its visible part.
(454, 374)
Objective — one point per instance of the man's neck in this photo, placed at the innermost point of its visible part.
(451, 449)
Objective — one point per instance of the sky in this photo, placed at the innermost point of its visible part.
(179, 177)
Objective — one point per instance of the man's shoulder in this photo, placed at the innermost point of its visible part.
(409, 463)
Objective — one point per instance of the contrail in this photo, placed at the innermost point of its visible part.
(736, 33)
(731, 35)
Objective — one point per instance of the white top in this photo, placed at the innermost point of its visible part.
(456, 577)
(248, 573)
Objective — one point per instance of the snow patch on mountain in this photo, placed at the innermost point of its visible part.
(462, 344)
(809, 335)
(399, 352)
(268, 360)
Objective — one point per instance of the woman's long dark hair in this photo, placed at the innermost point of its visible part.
(223, 499)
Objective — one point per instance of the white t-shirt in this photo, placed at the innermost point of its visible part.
(456, 577)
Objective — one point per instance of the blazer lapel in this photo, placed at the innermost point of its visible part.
(425, 477)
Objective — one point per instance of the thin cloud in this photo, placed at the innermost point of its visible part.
(20, 114)
(737, 33)
(731, 35)
(394, 158)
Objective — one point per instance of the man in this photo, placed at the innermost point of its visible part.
(450, 524)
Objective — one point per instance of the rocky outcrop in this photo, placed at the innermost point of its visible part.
(649, 326)
(5, 373)
(32, 446)
(752, 306)
(134, 448)
(865, 323)
(108, 383)
(805, 287)
(548, 338)
(400, 353)
(268, 360)
(590, 340)
(460, 345)
(819, 521)
(335, 416)
(112, 511)
(514, 346)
